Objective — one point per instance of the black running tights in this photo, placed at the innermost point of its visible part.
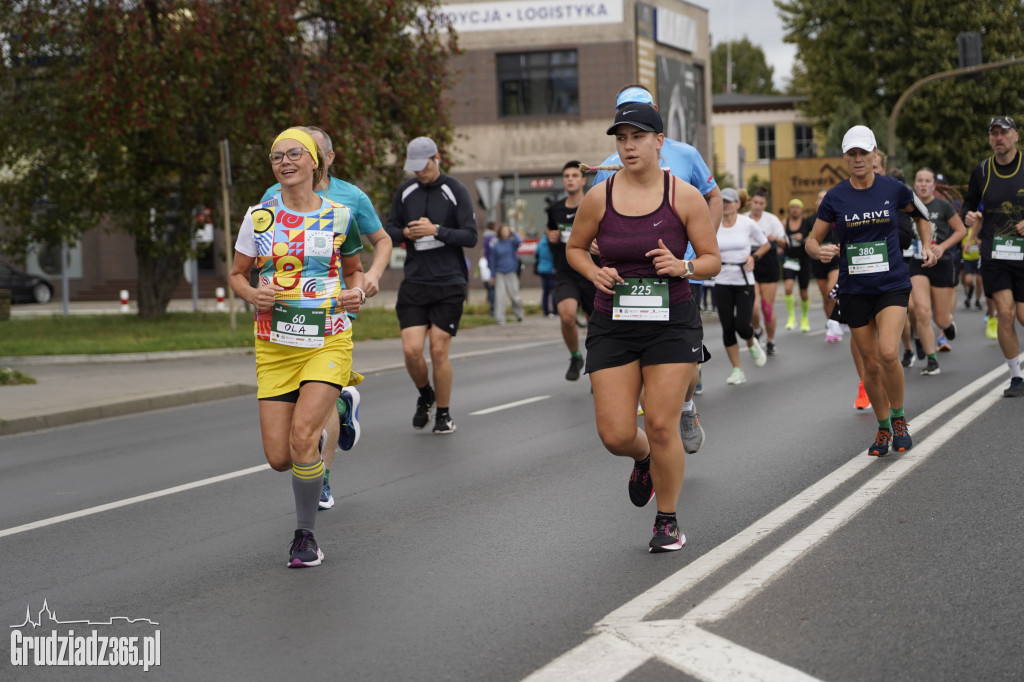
(735, 306)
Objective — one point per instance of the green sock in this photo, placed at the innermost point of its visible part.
(895, 413)
(327, 476)
(804, 306)
(576, 354)
(790, 303)
(934, 356)
(342, 408)
(885, 424)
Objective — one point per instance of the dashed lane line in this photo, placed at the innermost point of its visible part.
(508, 406)
(131, 500)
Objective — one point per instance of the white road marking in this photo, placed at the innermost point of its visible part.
(508, 406)
(131, 500)
(681, 643)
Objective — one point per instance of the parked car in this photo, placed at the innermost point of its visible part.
(24, 286)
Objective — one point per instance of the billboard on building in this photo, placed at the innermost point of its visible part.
(680, 99)
(803, 178)
(530, 14)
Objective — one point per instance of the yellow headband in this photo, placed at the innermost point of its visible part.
(300, 136)
(797, 202)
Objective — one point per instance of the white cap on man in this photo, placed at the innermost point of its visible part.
(859, 137)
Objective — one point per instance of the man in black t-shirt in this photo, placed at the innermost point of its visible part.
(572, 290)
(995, 201)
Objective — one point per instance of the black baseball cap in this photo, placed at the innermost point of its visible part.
(642, 116)
(1004, 122)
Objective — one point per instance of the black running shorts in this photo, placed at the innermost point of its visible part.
(574, 285)
(766, 270)
(997, 275)
(423, 304)
(858, 310)
(941, 276)
(612, 343)
(970, 267)
(820, 270)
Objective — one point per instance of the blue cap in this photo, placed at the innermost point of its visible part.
(638, 95)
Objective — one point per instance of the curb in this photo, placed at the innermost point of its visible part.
(110, 358)
(117, 409)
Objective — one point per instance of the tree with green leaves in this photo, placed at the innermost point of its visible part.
(750, 71)
(856, 57)
(113, 110)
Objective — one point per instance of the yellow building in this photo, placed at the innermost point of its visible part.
(751, 130)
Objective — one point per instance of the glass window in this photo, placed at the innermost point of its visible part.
(803, 137)
(765, 142)
(538, 83)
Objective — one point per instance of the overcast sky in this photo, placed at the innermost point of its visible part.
(759, 21)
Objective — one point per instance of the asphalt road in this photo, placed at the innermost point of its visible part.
(510, 549)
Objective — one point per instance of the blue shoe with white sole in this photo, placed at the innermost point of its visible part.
(348, 434)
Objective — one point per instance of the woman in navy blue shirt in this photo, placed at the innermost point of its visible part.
(874, 282)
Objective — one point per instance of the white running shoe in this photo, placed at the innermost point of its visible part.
(736, 377)
(757, 353)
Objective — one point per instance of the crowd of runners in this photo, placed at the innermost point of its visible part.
(651, 245)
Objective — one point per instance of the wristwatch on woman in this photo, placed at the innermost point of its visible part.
(688, 265)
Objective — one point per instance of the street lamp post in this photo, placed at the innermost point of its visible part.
(963, 71)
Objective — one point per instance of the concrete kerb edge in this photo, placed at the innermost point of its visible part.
(124, 407)
(29, 360)
(177, 398)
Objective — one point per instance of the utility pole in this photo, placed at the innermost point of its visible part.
(225, 184)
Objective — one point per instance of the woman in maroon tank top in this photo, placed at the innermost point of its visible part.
(645, 331)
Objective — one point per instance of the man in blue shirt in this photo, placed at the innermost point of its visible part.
(370, 226)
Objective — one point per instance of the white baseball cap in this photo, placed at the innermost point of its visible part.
(859, 137)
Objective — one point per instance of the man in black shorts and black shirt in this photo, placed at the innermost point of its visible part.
(572, 290)
(432, 215)
(996, 188)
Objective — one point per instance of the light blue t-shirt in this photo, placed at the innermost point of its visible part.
(345, 193)
(683, 161)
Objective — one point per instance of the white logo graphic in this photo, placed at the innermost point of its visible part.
(92, 649)
(570, 215)
(627, 112)
(694, 350)
(658, 223)
(886, 203)
(319, 243)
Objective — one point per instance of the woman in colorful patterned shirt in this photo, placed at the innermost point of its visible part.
(302, 245)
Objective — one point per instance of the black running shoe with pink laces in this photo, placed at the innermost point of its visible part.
(641, 486)
(667, 537)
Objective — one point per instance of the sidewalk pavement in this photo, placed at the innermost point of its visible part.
(72, 389)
